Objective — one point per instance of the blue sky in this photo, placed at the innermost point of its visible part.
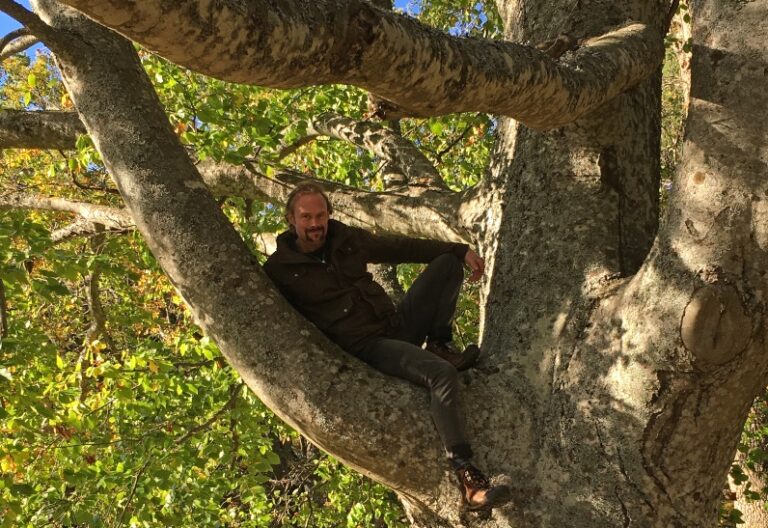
(7, 23)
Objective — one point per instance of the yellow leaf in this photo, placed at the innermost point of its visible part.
(153, 366)
(7, 464)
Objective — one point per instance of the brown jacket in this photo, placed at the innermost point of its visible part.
(337, 293)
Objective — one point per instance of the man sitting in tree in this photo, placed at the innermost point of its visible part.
(320, 267)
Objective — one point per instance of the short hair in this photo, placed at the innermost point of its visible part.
(306, 187)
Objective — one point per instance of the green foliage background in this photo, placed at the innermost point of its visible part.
(143, 424)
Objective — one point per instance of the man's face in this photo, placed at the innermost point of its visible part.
(309, 219)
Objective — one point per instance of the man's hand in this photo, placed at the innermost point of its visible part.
(475, 264)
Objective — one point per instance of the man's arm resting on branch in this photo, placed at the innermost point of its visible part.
(398, 250)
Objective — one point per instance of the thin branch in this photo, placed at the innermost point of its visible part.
(3, 311)
(11, 36)
(456, 141)
(84, 228)
(31, 21)
(296, 145)
(233, 393)
(98, 328)
(17, 46)
(136, 478)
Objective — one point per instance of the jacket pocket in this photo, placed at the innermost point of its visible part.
(329, 313)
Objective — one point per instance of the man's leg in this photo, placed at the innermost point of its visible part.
(407, 361)
(428, 307)
(410, 362)
(427, 310)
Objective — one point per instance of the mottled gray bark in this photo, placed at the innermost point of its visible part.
(41, 130)
(15, 42)
(430, 213)
(110, 217)
(437, 213)
(404, 156)
(353, 42)
(619, 363)
(753, 512)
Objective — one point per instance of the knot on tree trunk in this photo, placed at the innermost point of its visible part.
(713, 324)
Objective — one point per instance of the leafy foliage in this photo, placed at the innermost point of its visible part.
(137, 420)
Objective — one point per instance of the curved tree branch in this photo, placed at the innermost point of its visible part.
(430, 214)
(382, 142)
(296, 145)
(110, 217)
(353, 42)
(11, 36)
(40, 130)
(17, 46)
(32, 22)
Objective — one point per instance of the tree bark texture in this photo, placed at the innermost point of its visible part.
(620, 358)
(753, 512)
(43, 130)
(352, 42)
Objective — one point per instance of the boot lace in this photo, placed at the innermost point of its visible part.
(473, 478)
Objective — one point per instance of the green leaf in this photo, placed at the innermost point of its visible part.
(436, 127)
(31, 80)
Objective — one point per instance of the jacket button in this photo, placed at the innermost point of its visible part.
(345, 310)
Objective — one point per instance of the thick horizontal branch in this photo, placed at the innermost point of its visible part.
(41, 130)
(396, 57)
(382, 142)
(431, 214)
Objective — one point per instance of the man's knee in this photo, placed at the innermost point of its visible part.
(444, 376)
(449, 264)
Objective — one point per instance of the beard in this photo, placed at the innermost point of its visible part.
(315, 236)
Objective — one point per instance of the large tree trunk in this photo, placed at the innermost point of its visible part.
(619, 365)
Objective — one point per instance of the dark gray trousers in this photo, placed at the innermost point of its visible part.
(425, 312)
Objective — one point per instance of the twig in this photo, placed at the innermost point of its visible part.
(226, 407)
(3, 312)
(136, 478)
(296, 145)
(446, 150)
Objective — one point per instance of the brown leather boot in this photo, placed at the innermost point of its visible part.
(477, 490)
(454, 357)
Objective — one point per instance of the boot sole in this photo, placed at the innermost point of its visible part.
(494, 497)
